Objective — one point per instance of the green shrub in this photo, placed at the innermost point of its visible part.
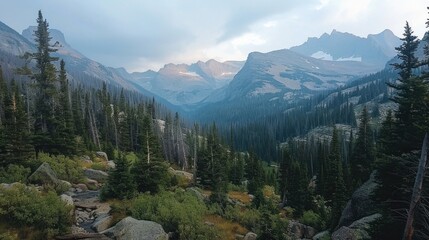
(14, 173)
(179, 212)
(67, 169)
(248, 217)
(22, 206)
(312, 219)
(100, 166)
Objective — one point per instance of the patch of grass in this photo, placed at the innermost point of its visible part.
(227, 228)
(243, 197)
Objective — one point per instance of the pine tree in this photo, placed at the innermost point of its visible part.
(120, 182)
(364, 151)
(66, 138)
(150, 171)
(335, 186)
(17, 148)
(410, 96)
(284, 174)
(45, 127)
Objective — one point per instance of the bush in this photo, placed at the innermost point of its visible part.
(14, 173)
(312, 219)
(248, 217)
(67, 169)
(100, 166)
(179, 212)
(46, 213)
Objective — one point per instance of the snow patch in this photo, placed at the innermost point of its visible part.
(322, 55)
(193, 74)
(227, 73)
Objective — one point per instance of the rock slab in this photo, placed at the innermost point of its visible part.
(130, 228)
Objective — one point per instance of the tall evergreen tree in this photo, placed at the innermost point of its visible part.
(16, 147)
(65, 136)
(410, 96)
(364, 151)
(46, 124)
(335, 186)
(284, 174)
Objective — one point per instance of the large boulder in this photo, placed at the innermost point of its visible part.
(358, 230)
(360, 204)
(130, 228)
(97, 175)
(102, 222)
(298, 230)
(250, 236)
(44, 175)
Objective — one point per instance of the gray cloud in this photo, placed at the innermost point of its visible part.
(147, 34)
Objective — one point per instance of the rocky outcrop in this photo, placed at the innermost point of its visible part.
(97, 175)
(321, 235)
(360, 204)
(102, 155)
(298, 230)
(358, 230)
(130, 228)
(250, 236)
(44, 175)
(187, 175)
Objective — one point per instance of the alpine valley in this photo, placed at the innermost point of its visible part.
(318, 141)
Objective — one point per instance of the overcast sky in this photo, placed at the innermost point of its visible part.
(146, 34)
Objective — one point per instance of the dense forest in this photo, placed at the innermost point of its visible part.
(218, 179)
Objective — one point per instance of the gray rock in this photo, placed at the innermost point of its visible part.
(102, 223)
(111, 164)
(130, 228)
(299, 230)
(82, 187)
(358, 230)
(67, 199)
(102, 155)
(250, 236)
(97, 175)
(44, 175)
(360, 204)
(91, 184)
(103, 208)
(321, 235)
(197, 192)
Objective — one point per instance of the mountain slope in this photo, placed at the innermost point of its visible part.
(183, 84)
(376, 49)
(282, 72)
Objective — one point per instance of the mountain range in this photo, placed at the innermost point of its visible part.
(319, 64)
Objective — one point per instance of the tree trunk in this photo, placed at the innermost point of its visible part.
(417, 191)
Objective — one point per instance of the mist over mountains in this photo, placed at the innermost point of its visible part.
(319, 64)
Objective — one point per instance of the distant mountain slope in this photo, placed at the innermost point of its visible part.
(183, 84)
(376, 49)
(80, 66)
(280, 73)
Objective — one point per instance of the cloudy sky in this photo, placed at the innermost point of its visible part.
(146, 34)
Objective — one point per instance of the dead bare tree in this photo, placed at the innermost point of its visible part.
(417, 192)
